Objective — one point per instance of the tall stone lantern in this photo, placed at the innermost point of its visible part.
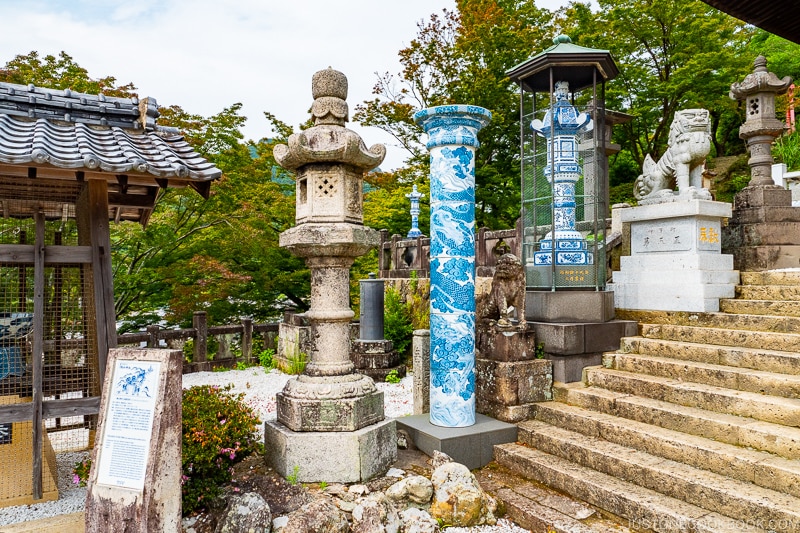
(329, 161)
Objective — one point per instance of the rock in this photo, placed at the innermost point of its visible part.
(439, 458)
(375, 514)
(359, 490)
(418, 521)
(458, 499)
(417, 489)
(246, 513)
(319, 516)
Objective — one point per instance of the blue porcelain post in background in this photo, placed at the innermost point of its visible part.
(452, 139)
(414, 196)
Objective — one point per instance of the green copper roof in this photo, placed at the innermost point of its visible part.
(568, 62)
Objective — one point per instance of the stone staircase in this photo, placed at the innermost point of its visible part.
(693, 426)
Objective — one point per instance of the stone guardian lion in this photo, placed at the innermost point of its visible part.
(683, 163)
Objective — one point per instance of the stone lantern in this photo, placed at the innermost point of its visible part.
(329, 161)
(761, 127)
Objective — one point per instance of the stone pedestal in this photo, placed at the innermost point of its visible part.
(376, 359)
(764, 231)
(509, 380)
(676, 262)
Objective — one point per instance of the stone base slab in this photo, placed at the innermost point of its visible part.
(472, 446)
(569, 306)
(379, 374)
(513, 344)
(333, 457)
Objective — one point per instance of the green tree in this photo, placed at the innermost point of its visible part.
(672, 54)
(462, 57)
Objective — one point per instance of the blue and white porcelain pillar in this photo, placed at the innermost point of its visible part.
(452, 140)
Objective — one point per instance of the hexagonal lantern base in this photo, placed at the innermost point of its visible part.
(330, 414)
(343, 457)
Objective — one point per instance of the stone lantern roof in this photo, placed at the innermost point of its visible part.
(49, 134)
(570, 62)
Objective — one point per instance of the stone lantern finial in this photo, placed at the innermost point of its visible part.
(329, 89)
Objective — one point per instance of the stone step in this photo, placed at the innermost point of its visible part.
(645, 509)
(783, 277)
(760, 307)
(776, 341)
(717, 493)
(536, 507)
(741, 379)
(775, 409)
(778, 324)
(768, 292)
(756, 358)
(761, 468)
(736, 430)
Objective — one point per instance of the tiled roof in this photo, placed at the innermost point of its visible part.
(69, 130)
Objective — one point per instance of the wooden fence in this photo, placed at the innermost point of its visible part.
(199, 334)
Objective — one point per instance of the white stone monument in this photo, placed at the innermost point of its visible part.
(676, 261)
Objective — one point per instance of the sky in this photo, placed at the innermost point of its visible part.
(205, 55)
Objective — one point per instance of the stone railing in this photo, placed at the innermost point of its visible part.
(199, 333)
(399, 256)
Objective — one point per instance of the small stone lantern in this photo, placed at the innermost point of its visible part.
(761, 127)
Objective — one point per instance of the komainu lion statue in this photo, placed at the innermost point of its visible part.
(683, 163)
(505, 302)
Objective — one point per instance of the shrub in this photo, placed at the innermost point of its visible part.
(80, 472)
(397, 325)
(219, 430)
(265, 358)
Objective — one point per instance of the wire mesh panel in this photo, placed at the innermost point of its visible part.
(564, 197)
(49, 360)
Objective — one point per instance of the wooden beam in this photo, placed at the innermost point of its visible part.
(23, 254)
(116, 199)
(16, 412)
(71, 407)
(38, 353)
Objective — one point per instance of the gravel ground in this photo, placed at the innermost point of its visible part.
(259, 388)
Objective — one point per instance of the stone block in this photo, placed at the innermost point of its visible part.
(569, 368)
(759, 258)
(560, 339)
(330, 414)
(680, 262)
(378, 375)
(472, 446)
(341, 457)
(605, 337)
(512, 383)
(754, 215)
(569, 306)
(505, 344)
(762, 196)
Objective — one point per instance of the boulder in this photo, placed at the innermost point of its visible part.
(458, 499)
(416, 489)
(319, 516)
(417, 521)
(245, 513)
(375, 514)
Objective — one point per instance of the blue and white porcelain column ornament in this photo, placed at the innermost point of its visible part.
(452, 140)
(561, 126)
(414, 196)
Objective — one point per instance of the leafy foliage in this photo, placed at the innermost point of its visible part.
(219, 430)
(397, 325)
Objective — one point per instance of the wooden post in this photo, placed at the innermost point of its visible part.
(200, 325)
(247, 340)
(152, 332)
(22, 279)
(38, 352)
